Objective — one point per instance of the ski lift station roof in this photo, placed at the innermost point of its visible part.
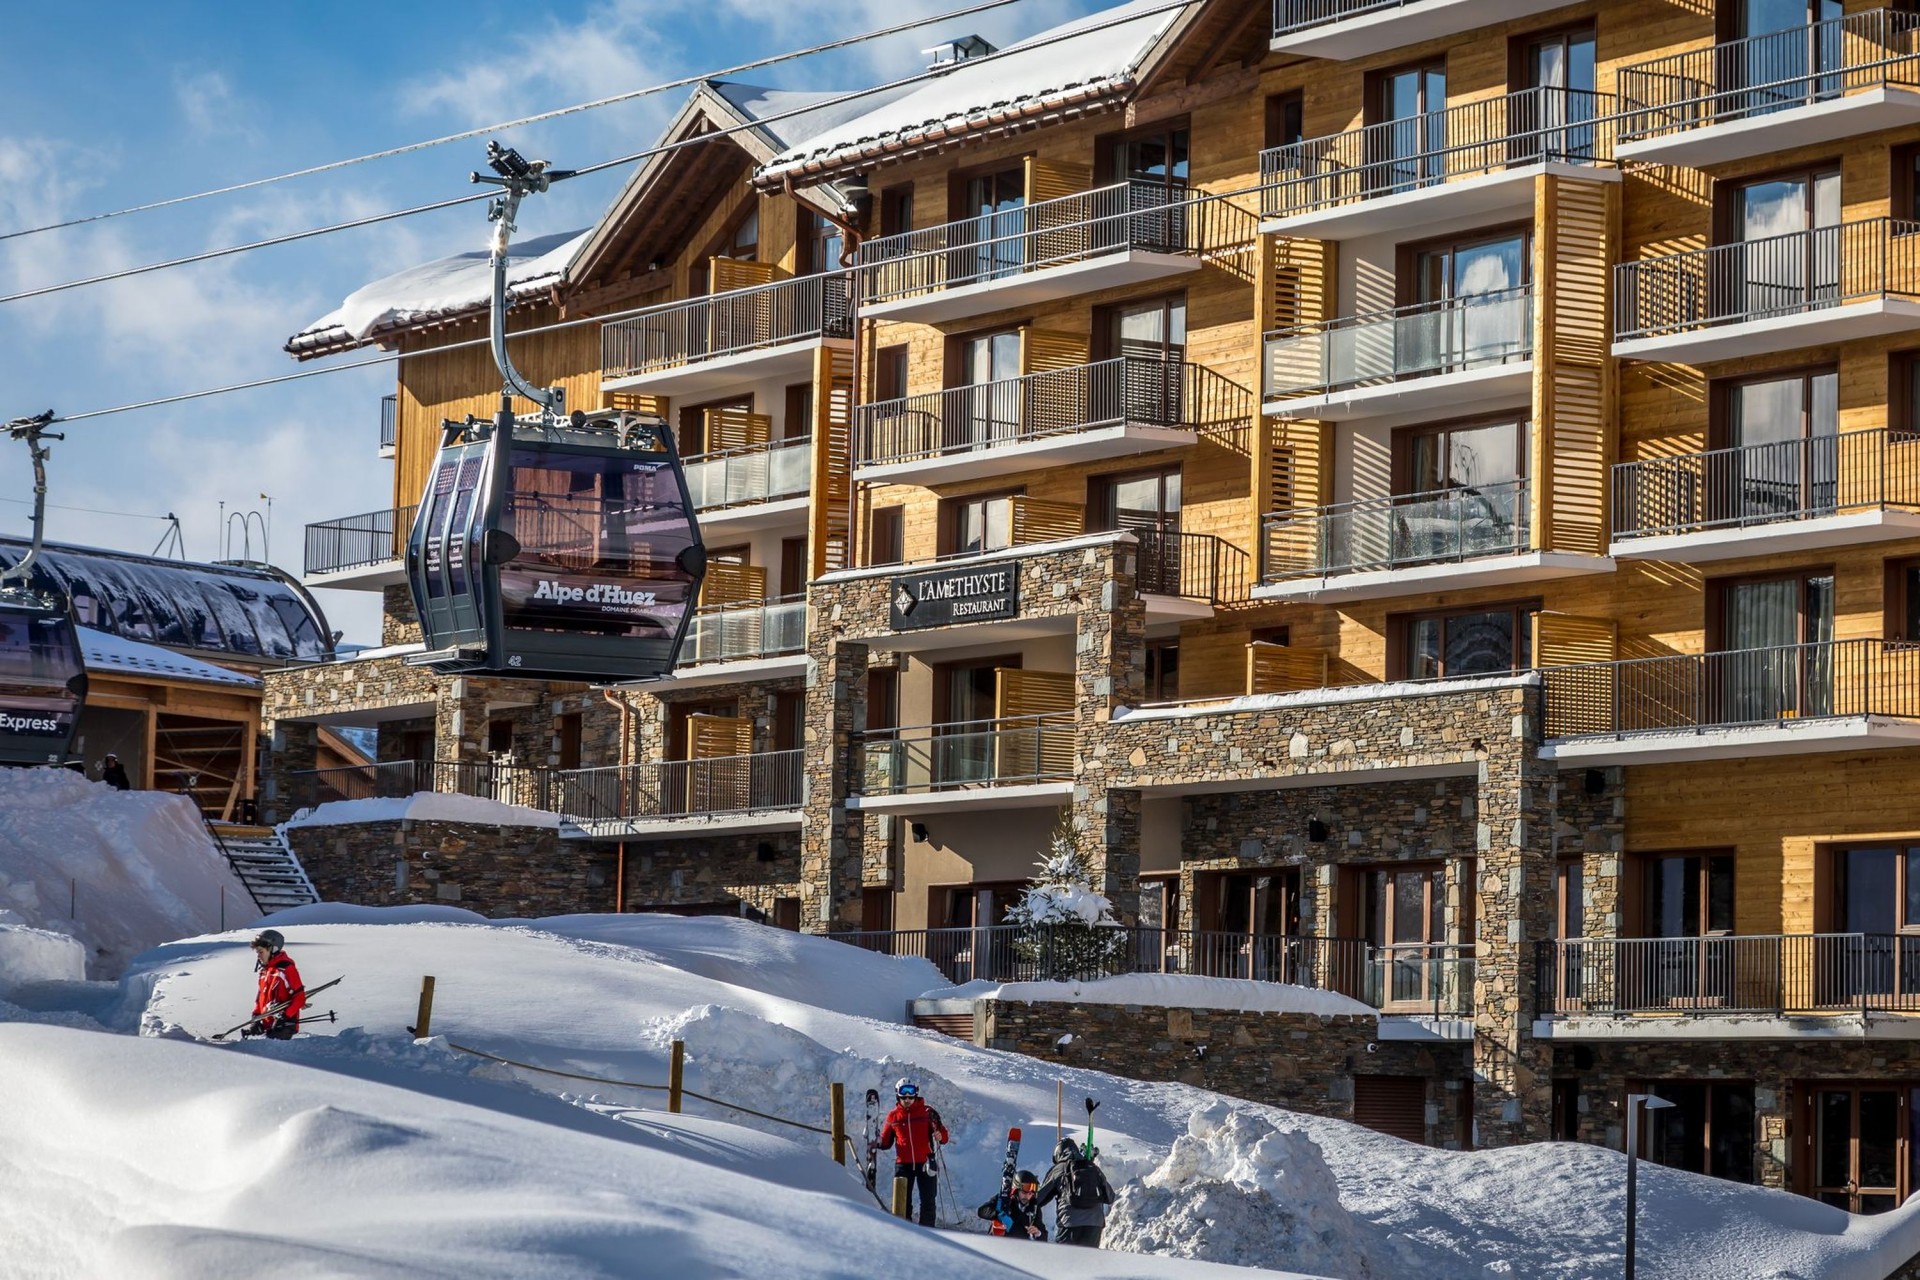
(228, 613)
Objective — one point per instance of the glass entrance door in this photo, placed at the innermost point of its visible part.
(1556, 122)
(1258, 936)
(1775, 661)
(994, 204)
(1789, 254)
(1783, 460)
(990, 369)
(1785, 53)
(1860, 1148)
(1408, 139)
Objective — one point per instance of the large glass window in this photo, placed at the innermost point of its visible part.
(1407, 143)
(1556, 121)
(1774, 657)
(1782, 457)
(1687, 895)
(980, 523)
(1467, 642)
(994, 202)
(1708, 1129)
(1788, 259)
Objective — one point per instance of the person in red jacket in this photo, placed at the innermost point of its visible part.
(280, 985)
(910, 1131)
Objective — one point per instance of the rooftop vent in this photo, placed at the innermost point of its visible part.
(957, 51)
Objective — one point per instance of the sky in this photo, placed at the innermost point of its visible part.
(134, 102)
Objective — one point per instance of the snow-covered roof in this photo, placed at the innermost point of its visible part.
(1079, 61)
(438, 290)
(115, 655)
(789, 117)
(424, 806)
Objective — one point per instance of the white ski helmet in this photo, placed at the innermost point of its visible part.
(905, 1088)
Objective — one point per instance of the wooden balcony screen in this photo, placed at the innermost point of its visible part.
(1035, 520)
(1573, 379)
(1048, 751)
(1565, 640)
(831, 535)
(1279, 668)
(735, 429)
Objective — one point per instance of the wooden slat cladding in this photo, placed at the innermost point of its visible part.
(1049, 178)
(831, 534)
(1395, 1105)
(1034, 750)
(1579, 702)
(1038, 521)
(1279, 668)
(728, 274)
(716, 737)
(735, 428)
(728, 583)
(1573, 379)
(1058, 229)
(639, 402)
(1296, 283)
(1045, 349)
(1018, 691)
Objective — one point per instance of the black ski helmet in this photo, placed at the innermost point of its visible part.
(1026, 1181)
(1066, 1150)
(270, 939)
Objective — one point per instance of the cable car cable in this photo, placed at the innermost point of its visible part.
(614, 100)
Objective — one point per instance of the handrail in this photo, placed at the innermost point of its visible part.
(353, 542)
(1396, 530)
(1729, 974)
(750, 473)
(1007, 751)
(739, 320)
(1526, 127)
(736, 629)
(1299, 15)
(1422, 339)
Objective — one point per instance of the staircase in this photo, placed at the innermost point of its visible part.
(264, 863)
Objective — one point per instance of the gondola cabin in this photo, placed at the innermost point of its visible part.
(43, 679)
(566, 550)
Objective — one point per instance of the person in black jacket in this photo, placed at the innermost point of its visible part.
(1017, 1214)
(114, 774)
(1082, 1190)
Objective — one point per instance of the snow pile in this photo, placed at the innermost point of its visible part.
(121, 871)
(37, 955)
(1173, 990)
(1239, 1188)
(423, 806)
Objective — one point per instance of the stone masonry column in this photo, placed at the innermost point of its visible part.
(460, 720)
(1109, 662)
(1513, 1079)
(832, 836)
(295, 746)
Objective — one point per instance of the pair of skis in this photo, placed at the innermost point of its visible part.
(279, 1007)
(1009, 1169)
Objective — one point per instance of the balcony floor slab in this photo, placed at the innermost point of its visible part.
(1491, 571)
(723, 373)
(1822, 327)
(1710, 545)
(1063, 448)
(1788, 737)
(737, 671)
(364, 577)
(686, 826)
(1448, 391)
(1884, 107)
(1405, 24)
(1046, 284)
(1029, 795)
(1425, 1028)
(1487, 195)
(757, 517)
(1729, 1026)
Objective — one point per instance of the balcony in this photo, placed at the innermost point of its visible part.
(1478, 159)
(1771, 93)
(742, 640)
(363, 552)
(1418, 358)
(1359, 28)
(1817, 985)
(389, 425)
(1830, 695)
(1109, 409)
(715, 343)
(753, 487)
(1122, 234)
(1789, 495)
(1752, 297)
(758, 792)
(1011, 762)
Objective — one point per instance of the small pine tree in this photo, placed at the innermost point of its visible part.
(1065, 926)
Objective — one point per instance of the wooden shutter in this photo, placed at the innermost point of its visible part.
(1395, 1105)
(1060, 231)
(1579, 700)
(734, 428)
(1062, 401)
(717, 737)
(1020, 692)
(1034, 750)
(1573, 379)
(1038, 521)
(1042, 350)
(727, 274)
(832, 531)
(639, 402)
(1279, 668)
(721, 786)
(728, 583)
(1052, 179)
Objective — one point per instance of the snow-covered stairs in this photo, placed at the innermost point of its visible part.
(269, 869)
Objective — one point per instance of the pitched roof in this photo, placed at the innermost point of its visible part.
(107, 654)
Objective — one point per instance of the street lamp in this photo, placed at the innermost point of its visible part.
(1635, 1101)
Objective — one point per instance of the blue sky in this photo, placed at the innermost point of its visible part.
(130, 102)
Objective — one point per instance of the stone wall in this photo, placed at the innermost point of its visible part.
(756, 868)
(1301, 1061)
(495, 871)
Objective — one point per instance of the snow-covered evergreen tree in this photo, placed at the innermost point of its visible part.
(1066, 926)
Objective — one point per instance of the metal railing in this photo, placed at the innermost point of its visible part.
(1789, 274)
(1298, 15)
(1193, 566)
(723, 324)
(746, 629)
(751, 473)
(1733, 687)
(395, 779)
(1008, 751)
(353, 542)
(389, 421)
(1422, 340)
(1527, 127)
(1808, 973)
(1136, 215)
(1781, 480)
(674, 788)
(1124, 391)
(1447, 525)
(1773, 71)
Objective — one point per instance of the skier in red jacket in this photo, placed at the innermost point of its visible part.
(279, 985)
(910, 1131)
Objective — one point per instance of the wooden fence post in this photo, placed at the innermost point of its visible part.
(675, 1073)
(899, 1197)
(838, 1100)
(423, 1021)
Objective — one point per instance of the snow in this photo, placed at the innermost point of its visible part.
(1036, 70)
(834, 107)
(1174, 990)
(120, 871)
(423, 806)
(113, 653)
(1337, 695)
(29, 955)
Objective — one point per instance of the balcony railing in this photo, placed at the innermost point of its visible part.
(1447, 525)
(766, 315)
(1420, 341)
(1149, 217)
(355, 542)
(1194, 566)
(1783, 275)
(746, 629)
(1299, 15)
(752, 473)
(1125, 391)
(766, 780)
(1758, 484)
(1774, 71)
(1809, 973)
(1531, 126)
(1010, 751)
(1733, 688)
(395, 779)
(389, 421)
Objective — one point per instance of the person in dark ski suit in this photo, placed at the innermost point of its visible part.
(279, 982)
(1018, 1214)
(910, 1131)
(114, 774)
(1082, 1190)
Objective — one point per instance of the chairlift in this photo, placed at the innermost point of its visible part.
(43, 674)
(553, 545)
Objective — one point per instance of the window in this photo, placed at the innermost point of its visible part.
(789, 720)
(1771, 646)
(1556, 119)
(1685, 895)
(1799, 200)
(1405, 905)
(896, 210)
(980, 523)
(567, 741)
(798, 422)
(1875, 888)
(890, 373)
(793, 567)
(1465, 642)
(1286, 119)
(1906, 189)
(1570, 899)
(1163, 672)
(993, 204)
(1152, 330)
(1784, 457)
(744, 243)
(1143, 502)
(1791, 258)
(991, 411)
(1903, 396)
(499, 737)
(1407, 149)
(1708, 1129)
(1155, 157)
(1903, 601)
(883, 698)
(820, 244)
(885, 532)
(1478, 457)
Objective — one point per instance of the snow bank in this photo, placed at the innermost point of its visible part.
(122, 871)
(1173, 990)
(37, 955)
(1239, 1188)
(423, 806)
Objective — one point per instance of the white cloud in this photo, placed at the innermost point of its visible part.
(210, 107)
